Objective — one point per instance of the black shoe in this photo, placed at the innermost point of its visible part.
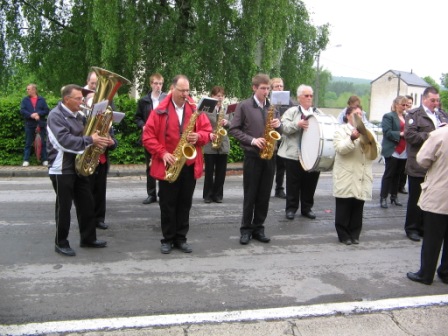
(207, 200)
(355, 241)
(402, 191)
(309, 214)
(394, 200)
(280, 194)
(102, 225)
(413, 236)
(245, 238)
(383, 203)
(444, 279)
(149, 200)
(217, 200)
(346, 242)
(417, 278)
(166, 248)
(184, 247)
(261, 237)
(68, 251)
(290, 214)
(96, 243)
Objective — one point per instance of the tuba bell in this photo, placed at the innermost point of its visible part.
(108, 84)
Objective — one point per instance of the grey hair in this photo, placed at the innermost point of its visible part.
(302, 88)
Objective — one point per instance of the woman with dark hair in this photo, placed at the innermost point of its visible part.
(352, 175)
(216, 151)
(394, 150)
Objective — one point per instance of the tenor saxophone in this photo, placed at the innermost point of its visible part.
(184, 151)
(220, 132)
(271, 136)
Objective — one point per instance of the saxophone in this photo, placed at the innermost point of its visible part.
(184, 151)
(220, 132)
(108, 84)
(271, 136)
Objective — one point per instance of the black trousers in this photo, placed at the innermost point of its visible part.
(391, 177)
(436, 235)
(414, 215)
(403, 180)
(214, 176)
(98, 185)
(71, 188)
(150, 181)
(300, 186)
(258, 177)
(348, 218)
(175, 200)
(280, 168)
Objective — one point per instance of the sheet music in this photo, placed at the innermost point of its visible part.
(118, 116)
(280, 97)
(99, 108)
(207, 104)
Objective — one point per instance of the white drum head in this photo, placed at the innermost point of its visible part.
(310, 144)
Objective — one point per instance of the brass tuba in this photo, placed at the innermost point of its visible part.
(271, 136)
(184, 151)
(108, 84)
(220, 131)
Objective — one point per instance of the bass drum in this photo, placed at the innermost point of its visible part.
(316, 151)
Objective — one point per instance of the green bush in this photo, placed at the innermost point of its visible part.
(129, 150)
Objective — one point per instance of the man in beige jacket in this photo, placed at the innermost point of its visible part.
(433, 156)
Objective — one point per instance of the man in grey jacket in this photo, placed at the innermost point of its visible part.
(66, 140)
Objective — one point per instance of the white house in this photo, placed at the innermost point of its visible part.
(388, 86)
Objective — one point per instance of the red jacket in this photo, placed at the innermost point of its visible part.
(161, 135)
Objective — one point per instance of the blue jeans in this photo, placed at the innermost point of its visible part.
(30, 133)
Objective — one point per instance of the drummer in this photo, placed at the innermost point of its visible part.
(300, 184)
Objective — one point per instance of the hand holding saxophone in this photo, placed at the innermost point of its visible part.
(275, 123)
(168, 159)
(259, 142)
(355, 134)
(192, 138)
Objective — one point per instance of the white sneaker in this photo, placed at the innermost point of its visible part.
(25, 164)
(45, 163)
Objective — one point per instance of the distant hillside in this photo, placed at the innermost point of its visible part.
(351, 80)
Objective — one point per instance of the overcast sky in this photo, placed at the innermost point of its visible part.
(377, 36)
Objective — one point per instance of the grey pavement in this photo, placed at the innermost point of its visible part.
(324, 296)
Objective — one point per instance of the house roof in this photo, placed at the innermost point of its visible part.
(408, 77)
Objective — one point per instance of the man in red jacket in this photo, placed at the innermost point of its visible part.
(161, 136)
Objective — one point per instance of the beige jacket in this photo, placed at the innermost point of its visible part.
(352, 171)
(434, 156)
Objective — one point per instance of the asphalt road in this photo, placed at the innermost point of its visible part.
(304, 265)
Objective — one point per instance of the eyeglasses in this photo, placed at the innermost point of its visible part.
(278, 86)
(433, 100)
(404, 105)
(308, 95)
(157, 83)
(183, 91)
(75, 98)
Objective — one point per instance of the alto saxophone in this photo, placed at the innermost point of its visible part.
(220, 132)
(271, 136)
(184, 151)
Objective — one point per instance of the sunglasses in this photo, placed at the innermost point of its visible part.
(308, 95)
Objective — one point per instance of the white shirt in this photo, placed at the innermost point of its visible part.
(179, 112)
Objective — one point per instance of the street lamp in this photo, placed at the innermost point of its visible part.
(399, 80)
(316, 94)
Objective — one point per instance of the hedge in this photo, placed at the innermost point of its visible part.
(129, 150)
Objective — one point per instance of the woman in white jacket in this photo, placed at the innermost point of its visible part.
(352, 177)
